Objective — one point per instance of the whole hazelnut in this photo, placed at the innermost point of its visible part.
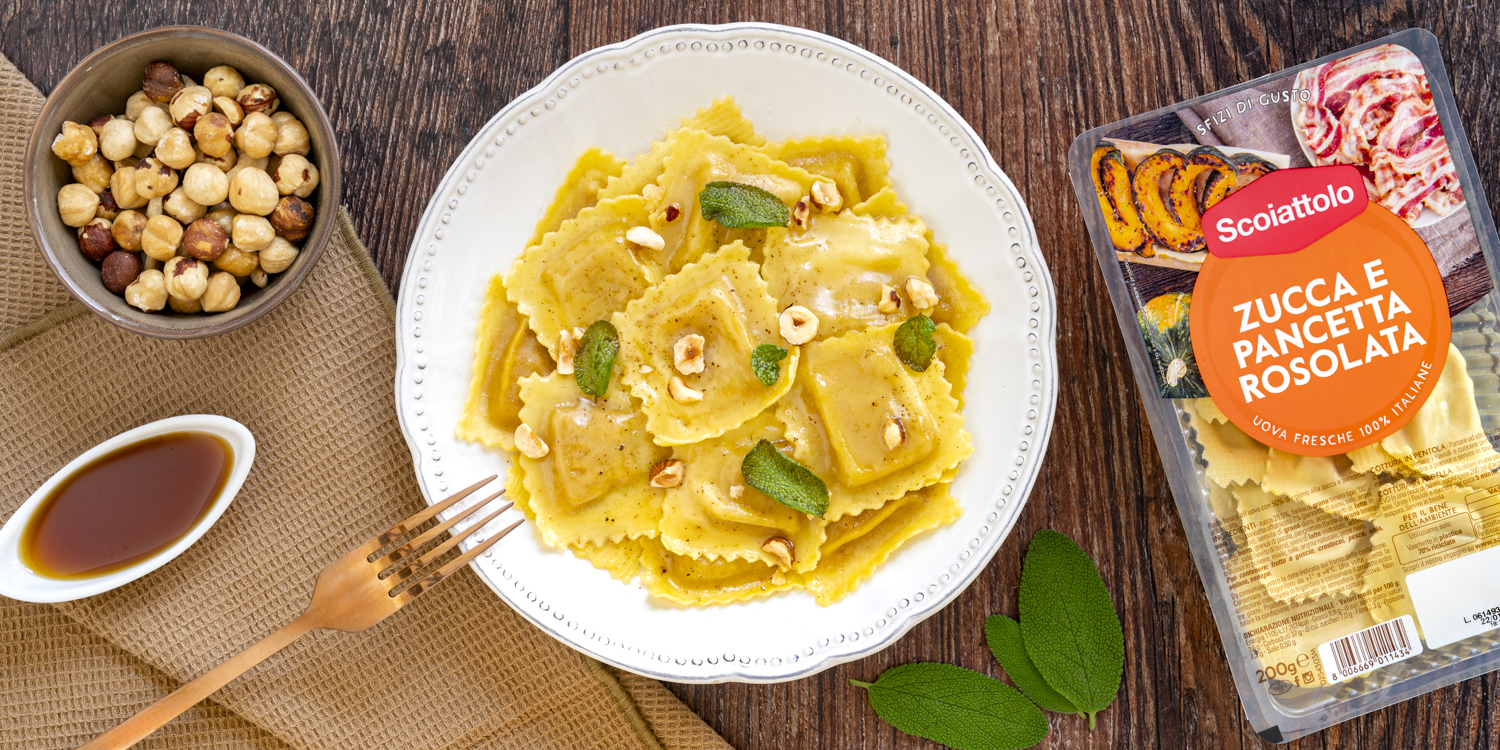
(108, 209)
(97, 124)
(94, 174)
(182, 208)
(189, 104)
(117, 139)
(161, 238)
(252, 233)
(128, 228)
(205, 240)
(253, 192)
(214, 134)
(148, 292)
(222, 294)
(150, 125)
(231, 110)
(224, 81)
(122, 185)
(278, 256)
(76, 144)
(136, 104)
(187, 278)
(237, 262)
(175, 149)
(129, 161)
(257, 97)
(260, 278)
(154, 207)
(294, 174)
(291, 135)
(256, 136)
(154, 178)
(78, 205)
(120, 271)
(223, 163)
(205, 184)
(224, 217)
(185, 306)
(95, 240)
(162, 81)
(292, 218)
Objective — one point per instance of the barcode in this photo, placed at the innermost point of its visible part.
(1373, 647)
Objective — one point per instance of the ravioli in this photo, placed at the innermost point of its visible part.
(580, 190)
(1303, 551)
(722, 118)
(506, 351)
(723, 299)
(884, 203)
(696, 581)
(954, 351)
(1326, 482)
(1445, 433)
(960, 304)
(1232, 456)
(855, 163)
(857, 545)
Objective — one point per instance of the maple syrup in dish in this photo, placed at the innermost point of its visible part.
(126, 506)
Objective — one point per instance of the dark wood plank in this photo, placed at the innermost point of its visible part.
(407, 83)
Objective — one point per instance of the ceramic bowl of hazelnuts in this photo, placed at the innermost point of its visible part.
(182, 181)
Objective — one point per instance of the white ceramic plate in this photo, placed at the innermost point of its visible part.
(790, 82)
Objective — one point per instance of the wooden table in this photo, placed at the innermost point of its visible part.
(408, 83)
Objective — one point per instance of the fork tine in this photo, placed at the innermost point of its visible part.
(405, 568)
(426, 584)
(422, 516)
(427, 536)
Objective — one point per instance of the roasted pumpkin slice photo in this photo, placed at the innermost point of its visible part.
(1159, 170)
(1212, 175)
(1250, 167)
(1117, 201)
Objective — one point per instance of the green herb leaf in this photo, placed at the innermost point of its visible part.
(1069, 625)
(594, 363)
(765, 361)
(785, 480)
(914, 343)
(1004, 636)
(956, 707)
(739, 206)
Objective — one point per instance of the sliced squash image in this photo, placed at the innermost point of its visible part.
(1164, 324)
(1156, 176)
(1117, 200)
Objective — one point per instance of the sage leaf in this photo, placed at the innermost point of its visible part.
(954, 706)
(739, 206)
(765, 362)
(1069, 625)
(594, 362)
(914, 344)
(784, 480)
(1004, 638)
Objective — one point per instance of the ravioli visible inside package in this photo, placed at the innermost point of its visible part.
(1326, 482)
(1302, 552)
(1232, 456)
(1445, 436)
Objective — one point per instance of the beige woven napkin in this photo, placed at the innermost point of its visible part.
(457, 669)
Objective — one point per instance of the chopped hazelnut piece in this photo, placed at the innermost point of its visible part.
(670, 213)
(567, 346)
(894, 432)
(800, 213)
(528, 443)
(890, 299)
(736, 491)
(647, 369)
(687, 354)
(923, 296)
(798, 325)
(668, 474)
(681, 393)
(652, 193)
(825, 195)
(646, 238)
(781, 549)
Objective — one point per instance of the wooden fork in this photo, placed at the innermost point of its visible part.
(354, 592)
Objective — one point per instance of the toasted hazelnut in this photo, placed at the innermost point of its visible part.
(687, 354)
(187, 278)
(736, 491)
(682, 393)
(185, 306)
(251, 233)
(529, 443)
(292, 173)
(278, 256)
(77, 204)
(801, 213)
(129, 161)
(825, 195)
(670, 213)
(127, 229)
(237, 262)
(222, 294)
(890, 299)
(94, 174)
(222, 163)
(893, 431)
(76, 144)
(667, 474)
(175, 149)
(162, 81)
(260, 278)
(291, 135)
(161, 238)
(781, 549)
(154, 207)
(647, 369)
(292, 218)
(154, 179)
(567, 348)
(120, 270)
(189, 104)
(922, 295)
(257, 97)
(205, 240)
(214, 134)
(95, 240)
(182, 208)
(646, 238)
(117, 139)
(148, 292)
(253, 192)
(256, 136)
(205, 184)
(150, 126)
(97, 124)
(652, 192)
(143, 150)
(122, 185)
(798, 325)
(223, 80)
(136, 104)
(231, 110)
(108, 208)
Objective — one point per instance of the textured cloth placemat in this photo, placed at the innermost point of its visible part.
(312, 380)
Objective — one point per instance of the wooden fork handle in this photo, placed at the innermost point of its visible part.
(189, 694)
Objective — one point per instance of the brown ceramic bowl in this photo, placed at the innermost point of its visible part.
(99, 86)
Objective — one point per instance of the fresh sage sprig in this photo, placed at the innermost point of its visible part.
(736, 205)
(914, 344)
(956, 707)
(784, 480)
(594, 363)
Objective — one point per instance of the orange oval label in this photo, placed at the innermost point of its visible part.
(1327, 349)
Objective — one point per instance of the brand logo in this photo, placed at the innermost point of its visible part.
(1284, 211)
